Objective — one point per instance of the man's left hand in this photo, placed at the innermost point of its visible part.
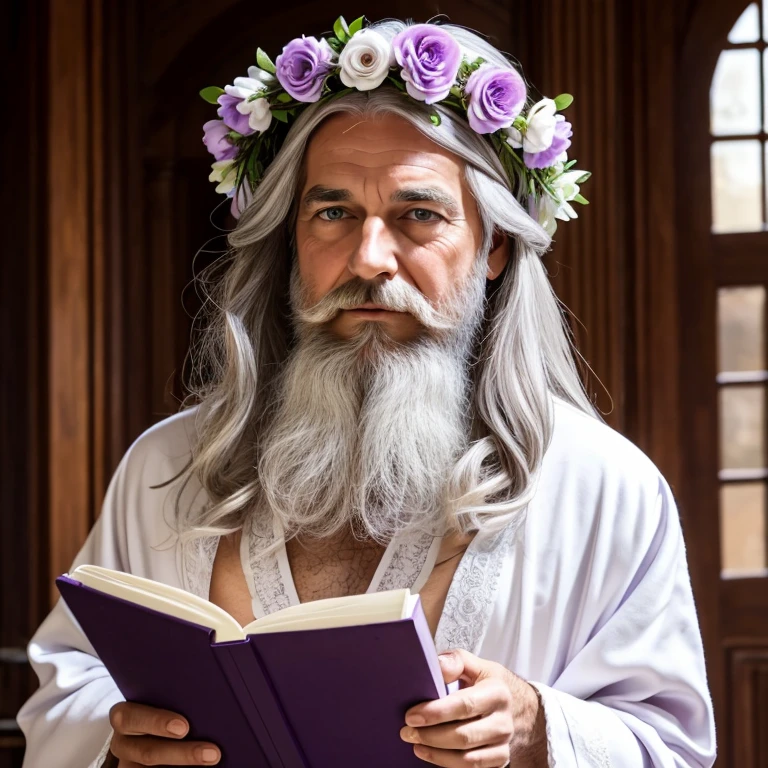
(494, 718)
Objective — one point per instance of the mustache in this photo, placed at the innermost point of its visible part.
(395, 295)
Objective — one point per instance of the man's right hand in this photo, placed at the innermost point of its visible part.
(148, 736)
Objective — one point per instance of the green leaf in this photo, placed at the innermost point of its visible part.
(211, 94)
(570, 164)
(584, 177)
(580, 199)
(456, 91)
(335, 44)
(340, 29)
(265, 62)
(281, 115)
(435, 118)
(356, 25)
(563, 101)
(284, 98)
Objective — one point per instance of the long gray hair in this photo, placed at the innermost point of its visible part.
(525, 354)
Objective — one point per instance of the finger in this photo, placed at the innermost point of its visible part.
(467, 734)
(459, 664)
(496, 756)
(475, 701)
(133, 719)
(149, 750)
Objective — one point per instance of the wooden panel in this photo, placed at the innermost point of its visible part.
(748, 670)
(587, 260)
(740, 259)
(744, 611)
(69, 269)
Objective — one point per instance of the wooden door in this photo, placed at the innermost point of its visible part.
(723, 142)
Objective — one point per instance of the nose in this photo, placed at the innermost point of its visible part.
(375, 254)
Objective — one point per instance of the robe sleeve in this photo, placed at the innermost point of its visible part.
(635, 693)
(65, 721)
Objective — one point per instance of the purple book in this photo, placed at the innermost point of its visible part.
(306, 698)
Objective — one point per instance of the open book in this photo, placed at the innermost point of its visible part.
(325, 683)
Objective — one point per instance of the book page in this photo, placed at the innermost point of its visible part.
(160, 597)
(352, 610)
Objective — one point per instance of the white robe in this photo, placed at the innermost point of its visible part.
(590, 600)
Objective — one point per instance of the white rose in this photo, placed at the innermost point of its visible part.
(540, 128)
(365, 60)
(224, 173)
(259, 116)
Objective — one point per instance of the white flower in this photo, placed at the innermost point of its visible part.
(540, 128)
(365, 60)
(224, 173)
(550, 209)
(259, 116)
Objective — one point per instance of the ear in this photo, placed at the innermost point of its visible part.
(499, 255)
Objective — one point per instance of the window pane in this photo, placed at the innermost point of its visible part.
(765, 21)
(735, 93)
(736, 186)
(747, 28)
(742, 527)
(741, 324)
(742, 427)
(765, 87)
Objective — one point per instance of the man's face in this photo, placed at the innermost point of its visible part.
(382, 202)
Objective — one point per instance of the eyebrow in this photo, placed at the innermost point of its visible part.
(321, 194)
(427, 195)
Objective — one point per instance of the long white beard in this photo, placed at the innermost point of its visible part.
(365, 432)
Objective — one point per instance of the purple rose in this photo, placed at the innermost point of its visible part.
(229, 114)
(430, 58)
(561, 142)
(496, 97)
(216, 139)
(303, 66)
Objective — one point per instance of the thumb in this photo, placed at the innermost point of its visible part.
(459, 664)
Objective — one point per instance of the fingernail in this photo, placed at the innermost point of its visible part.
(409, 734)
(210, 755)
(415, 720)
(177, 727)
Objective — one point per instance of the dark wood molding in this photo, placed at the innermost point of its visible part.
(739, 259)
(748, 675)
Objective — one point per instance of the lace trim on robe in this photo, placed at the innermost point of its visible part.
(198, 558)
(587, 738)
(266, 583)
(470, 598)
(406, 563)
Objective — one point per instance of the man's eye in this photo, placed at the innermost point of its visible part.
(423, 214)
(331, 214)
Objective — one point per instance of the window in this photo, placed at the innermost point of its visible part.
(739, 154)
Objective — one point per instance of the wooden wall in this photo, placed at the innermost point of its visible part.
(114, 204)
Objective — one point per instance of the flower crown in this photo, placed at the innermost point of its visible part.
(426, 62)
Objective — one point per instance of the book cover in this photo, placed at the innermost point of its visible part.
(313, 698)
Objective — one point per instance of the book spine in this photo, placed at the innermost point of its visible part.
(259, 695)
(247, 693)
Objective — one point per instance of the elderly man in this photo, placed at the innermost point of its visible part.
(386, 397)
